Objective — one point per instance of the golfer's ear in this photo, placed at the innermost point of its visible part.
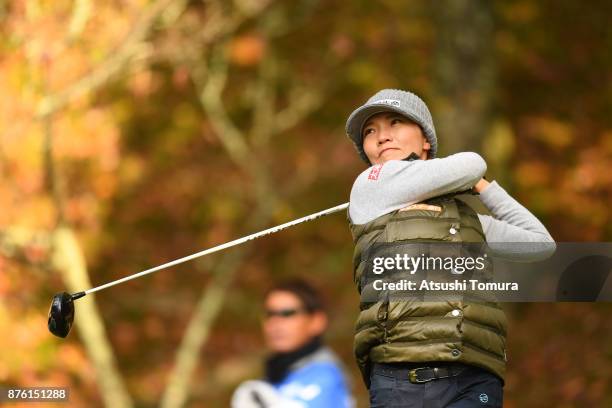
(426, 146)
(319, 322)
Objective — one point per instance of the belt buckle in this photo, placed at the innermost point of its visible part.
(412, 375)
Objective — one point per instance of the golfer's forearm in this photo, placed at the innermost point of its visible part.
(436, 177)
(513, 231)
(401, 183)
(505, 208)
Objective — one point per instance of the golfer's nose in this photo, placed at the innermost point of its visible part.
(384, 135)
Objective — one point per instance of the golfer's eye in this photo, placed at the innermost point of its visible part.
(395, 121)
(368, 131)
(282, 313)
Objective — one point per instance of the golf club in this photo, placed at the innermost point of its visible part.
(61, 312)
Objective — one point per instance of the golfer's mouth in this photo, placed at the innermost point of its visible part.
(386, 150)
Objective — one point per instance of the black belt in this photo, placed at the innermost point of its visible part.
(419, 374)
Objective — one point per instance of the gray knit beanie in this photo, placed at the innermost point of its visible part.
(394, 100)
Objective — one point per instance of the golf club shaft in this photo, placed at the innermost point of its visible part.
(218, 248)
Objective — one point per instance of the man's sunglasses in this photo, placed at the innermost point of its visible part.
(283, 312)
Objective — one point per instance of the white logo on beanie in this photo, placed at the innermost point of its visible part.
(392, 102)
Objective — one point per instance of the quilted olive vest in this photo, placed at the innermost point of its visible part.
(389, 331)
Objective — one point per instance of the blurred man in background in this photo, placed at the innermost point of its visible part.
(300, 371)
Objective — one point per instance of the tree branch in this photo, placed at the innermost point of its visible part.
(302, 103)
(15, 242)
(210, 81)
(67, 257)
(212, 299)
(69, 260)
(80, 14)
(111, 66)
(198, 329)
(211, 88)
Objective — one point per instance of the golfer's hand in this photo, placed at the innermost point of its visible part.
(481, 185)
(260, 394)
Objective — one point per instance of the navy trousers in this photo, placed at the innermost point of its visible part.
(472, 388)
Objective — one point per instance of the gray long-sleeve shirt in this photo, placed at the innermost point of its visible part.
(395, 184)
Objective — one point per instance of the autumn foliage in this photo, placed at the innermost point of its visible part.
(150, 130)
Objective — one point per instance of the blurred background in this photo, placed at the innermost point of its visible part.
(133, 132)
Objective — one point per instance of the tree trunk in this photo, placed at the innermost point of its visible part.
(464, 71)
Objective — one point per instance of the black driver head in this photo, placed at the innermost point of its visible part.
(61, 314)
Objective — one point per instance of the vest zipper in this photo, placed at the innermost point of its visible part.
(383, 316)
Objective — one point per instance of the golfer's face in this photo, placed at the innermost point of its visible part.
(391, 136)
(287, 326)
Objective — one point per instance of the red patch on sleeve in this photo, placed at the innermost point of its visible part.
(375, 172)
